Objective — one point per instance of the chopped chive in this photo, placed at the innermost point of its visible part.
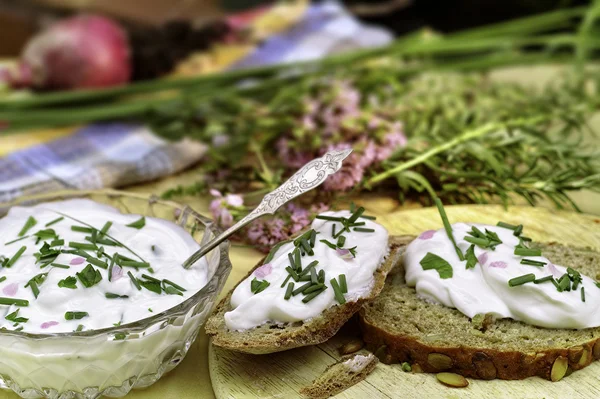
(29, 223)
(329, 218)
(34, 288)
(306, 246)
(60, 265)
(50, 223)
(2, 278)
(180, 288)
(133, 263)
(94, 236)
(297, 259)
(506, 225)
(82, 229)
(475, 232)
(105, 228)
(555, 283)
(75, 315)
(15, 257)
(532, 262)
(448, 228)
(582, 294)
(100, 252)
(292, 272)
(321, 276)
(526, 239)
(103, 241)
(110, 269)
(82, 245)
(110, 295)
(308, 268)
(301, 288)
(363, 230)
(312, 288)
(313, 295)
(368, 217)
(564, 283)
(518, 230)
(313, 276)
(528, 252)
(288, 291)
(305, 277)
(18, 239)
(69, 282)
(356, 224)
(313, 237)
(341, 241)
(356, 214)
(79, 328)
(56, 243)
(134, 281)
(480, 242)
(333, 230)
(14, 301)
(543, 279)
(352, 207)
(97, 262)
(526, 278)
(343, 284)
(138, 224)
(292, 261)
(337, 291)
(151, 278)
(286, 280)
(329, 244)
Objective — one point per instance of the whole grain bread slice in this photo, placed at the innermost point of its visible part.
(400, 327)
(339, 376)
(271, 337)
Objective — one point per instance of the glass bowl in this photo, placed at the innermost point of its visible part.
(112, 361)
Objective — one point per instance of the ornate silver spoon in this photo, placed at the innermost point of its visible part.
(308, 177)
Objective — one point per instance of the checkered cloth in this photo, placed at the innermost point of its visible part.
(118, 154)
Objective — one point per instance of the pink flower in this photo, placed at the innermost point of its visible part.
(391, 142)
(499, 264)
(266, 233)
(554, 270)
(290, 157)
(117, 273)
(344, 253)
(426, 235)
(299, 217)
(11, 289)
(219, 207)
(263, 271)
(350, 174)
(77, 261)
(49, 324)
(482, 259)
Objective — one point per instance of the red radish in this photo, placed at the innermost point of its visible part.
(85, 51)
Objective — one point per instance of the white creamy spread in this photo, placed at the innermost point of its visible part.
(162, 244)
(357, 363)
(269, 305)
(484, 289)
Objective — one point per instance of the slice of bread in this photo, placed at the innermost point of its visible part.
(400, 327)
(271, 337)
(340, 376)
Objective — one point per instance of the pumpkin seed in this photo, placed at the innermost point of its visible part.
(351, 346)
(559, 369)
(439, 361)
(452, 380)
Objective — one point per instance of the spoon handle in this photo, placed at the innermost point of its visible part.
(305, 179)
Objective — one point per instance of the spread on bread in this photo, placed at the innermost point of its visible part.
(330, 264)
(480, 269)
(78, 265)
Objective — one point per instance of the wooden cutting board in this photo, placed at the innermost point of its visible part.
(281, 375)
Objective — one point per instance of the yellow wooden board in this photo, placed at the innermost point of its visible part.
(281, 375)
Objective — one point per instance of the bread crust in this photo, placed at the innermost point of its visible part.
(474, 362)
(270, 338)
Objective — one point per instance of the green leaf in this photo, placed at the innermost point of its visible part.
(138, 224)
(257, 286)
(274, 250)
(432, 261)
(75, 315)
(471, 258)
(69, 282)
(13, 317)
(89, 276)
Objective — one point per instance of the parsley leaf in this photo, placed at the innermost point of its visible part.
(257, 286)
(89, 276)
(432, 261)
(138, 224)
(69, 282)
(13, 317)
(471, 258)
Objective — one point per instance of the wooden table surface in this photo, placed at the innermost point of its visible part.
(191, 378)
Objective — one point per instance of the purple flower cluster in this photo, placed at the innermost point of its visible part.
(223, 206)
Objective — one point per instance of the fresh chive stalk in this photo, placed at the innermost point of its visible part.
(526, 278)
(527, 252)
(448, 227)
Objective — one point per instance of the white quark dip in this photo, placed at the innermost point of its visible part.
(485, 289)
(370, 242)
(161, 244)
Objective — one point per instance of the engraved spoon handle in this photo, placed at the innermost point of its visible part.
(308, 177)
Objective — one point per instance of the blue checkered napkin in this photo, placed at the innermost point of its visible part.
(102, 155)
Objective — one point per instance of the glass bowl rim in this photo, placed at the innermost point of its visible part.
(141, 324)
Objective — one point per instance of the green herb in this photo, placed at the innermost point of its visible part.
(274, 250)
(506, 225)
(518, 230)
(448, 229)
(329, 218)
(82, 245)
(46, 234)
(150, 310)
(132, 263)
(79, 328)
(432, 261)
(555, 283)
(69, 282)
(297, 259)
(480, 242)
(333, 230)
(105, 228)
(313, 276)
(337, 292)
(527, 252)
(363, 230)
(471, 258)
(14, 301)
(341, 241)
(582, 294)
(14, 317)
(526, 239)
(169, 290)
(2, 278)
(313, 295)
(329, 244)
(292, 272)
(151, 285)
(29, 223)
(532, 262)
(97, 262)
(314, 287)
(321, 276)
(110, 295)
(120, 336)
(306, 246)
(301, 288)
(89, 276)
(543, 279)
(343, 285)
(46, 254)
(286, 280)
(18, 239)
(180, 288)
(257, 286)
(564, 283)
(526, 278)
(35, 282)
(15, 257)
(102, 241)
(56, 243)
(406, 367)
(313, 237)
(138, 224)
(134, 281)
(50, 223)
(82, 229)
(356, 214)
(288, 291)
(75, 315)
